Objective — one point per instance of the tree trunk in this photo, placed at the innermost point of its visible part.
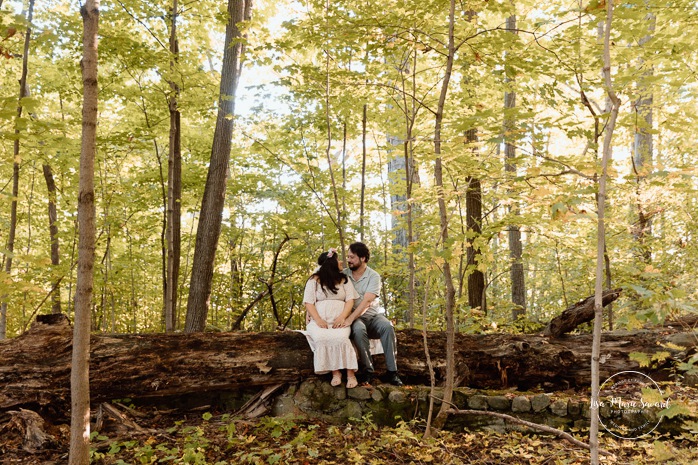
(23, 92)
(174, 186)
(643, 146)
(601, 235)
(578, 313)
(473, 208)
(411, 178)
(441, 417)
(160, 367)
(209, 229)
(79, 367)
(53, 232)
(362, 200)
(518, 285)
(328, 149)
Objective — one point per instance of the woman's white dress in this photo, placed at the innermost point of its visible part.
(331, 346)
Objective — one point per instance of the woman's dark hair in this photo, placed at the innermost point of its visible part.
(328, 274)
(360, 250)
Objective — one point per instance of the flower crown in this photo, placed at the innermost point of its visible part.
(331, 252)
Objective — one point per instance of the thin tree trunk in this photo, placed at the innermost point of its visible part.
(80, 368)
(328, 150)
(561, 273)
(597, 136)
(518, 285)
(27, 251)
(269, 283)
(600, 249)
(174, 186)
(53, 233)
(23, 92)
(609, 283)
(643, 146)
(344, 170)
(364, 119)
(209, 229)
(411, 177)
(429, 364)
(163, 229)
(440, 419)
(73, 265)
(133, 303)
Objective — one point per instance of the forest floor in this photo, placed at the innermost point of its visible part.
(205, 438)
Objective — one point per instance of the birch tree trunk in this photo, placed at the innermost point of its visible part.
(600, 246)
(80, 368)
(209, 229)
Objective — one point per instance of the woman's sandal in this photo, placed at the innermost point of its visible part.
(337, 379)
(351, 382)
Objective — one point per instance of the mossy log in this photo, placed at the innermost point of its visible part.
(35, 367)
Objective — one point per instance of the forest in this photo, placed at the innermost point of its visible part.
(503, 159)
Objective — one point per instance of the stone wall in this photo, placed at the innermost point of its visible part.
(387, 405)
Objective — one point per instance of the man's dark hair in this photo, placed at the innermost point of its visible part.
(360, 250)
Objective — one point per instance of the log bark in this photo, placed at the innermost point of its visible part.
(578, 313)
(159, 368)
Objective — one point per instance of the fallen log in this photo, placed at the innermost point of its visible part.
(578, 313)
(156, 368)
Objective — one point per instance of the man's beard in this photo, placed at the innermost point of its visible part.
(354, 267)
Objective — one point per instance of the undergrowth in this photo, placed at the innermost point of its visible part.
(225, 440)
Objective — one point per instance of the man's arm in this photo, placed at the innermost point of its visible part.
(364, 305)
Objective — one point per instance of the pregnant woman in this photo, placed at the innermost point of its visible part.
(329, 298)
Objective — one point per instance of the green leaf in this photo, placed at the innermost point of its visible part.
(675, 409)
(643, 359)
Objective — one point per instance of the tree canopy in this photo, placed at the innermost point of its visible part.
(309, 70)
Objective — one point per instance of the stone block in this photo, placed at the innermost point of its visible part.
(477, 402)
(520, 404)
(351, 410)
(559, 407)
(574, 409)
(377, 395)
(359, 393)
(540, 402)
(397, 397)
(582, 424)
(499, 402)
(284, 407)
(340, 392)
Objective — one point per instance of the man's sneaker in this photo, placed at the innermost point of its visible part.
(392, 378)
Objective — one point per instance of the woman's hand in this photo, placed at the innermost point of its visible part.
(321, 323)
(339, 322)
(343, 322)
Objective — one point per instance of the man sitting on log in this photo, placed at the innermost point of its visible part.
(368, 319)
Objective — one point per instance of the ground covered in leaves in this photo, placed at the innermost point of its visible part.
(203, 438)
